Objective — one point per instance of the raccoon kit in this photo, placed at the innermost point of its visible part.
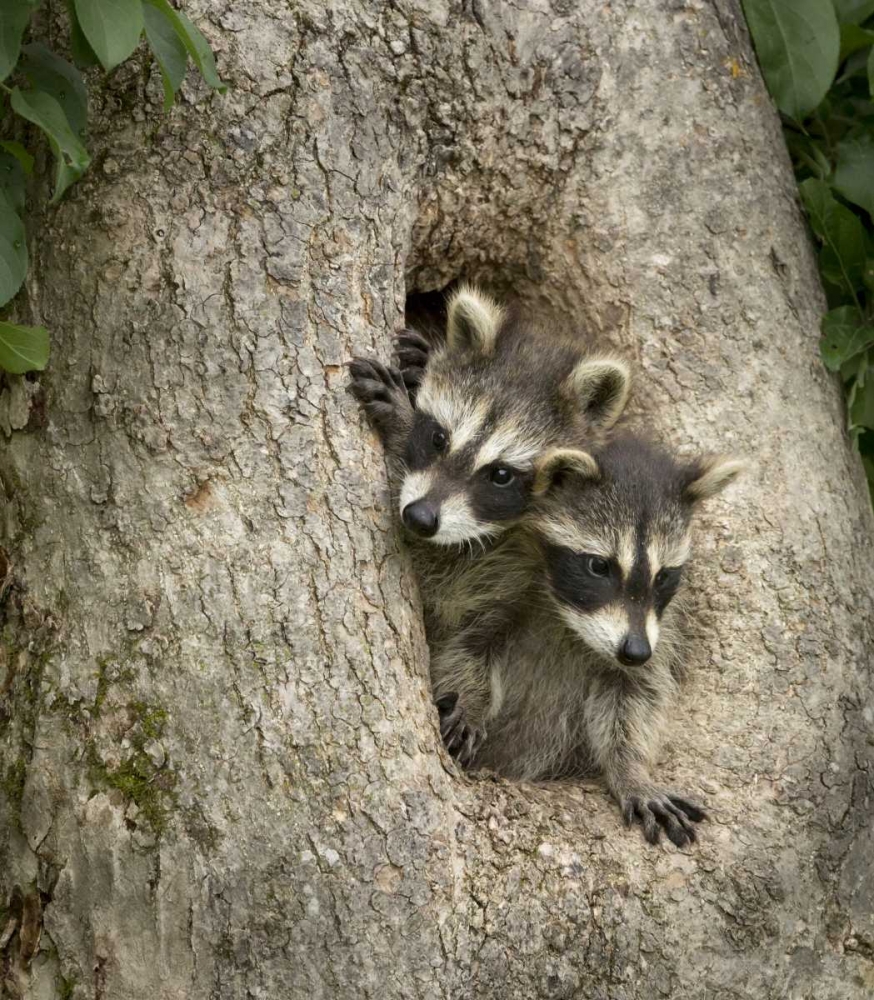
(492, 399)
(573, 672)
(551, 642)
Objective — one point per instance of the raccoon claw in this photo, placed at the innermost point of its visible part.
(658, 811)
(371, 378)
(379, 388)
(412, 378)
(462, 740)
(412, 349)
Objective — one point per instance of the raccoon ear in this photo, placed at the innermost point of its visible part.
(473, 320)
(600, 386)
(709, 475)
(560, 462)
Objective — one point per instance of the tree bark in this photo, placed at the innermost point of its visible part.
(221, 774)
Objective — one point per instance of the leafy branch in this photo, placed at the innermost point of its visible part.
(817, 58)
(50, 93)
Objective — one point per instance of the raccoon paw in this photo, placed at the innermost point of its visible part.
(658, 810)
(379, 388)
(412, 349)
(461, 739)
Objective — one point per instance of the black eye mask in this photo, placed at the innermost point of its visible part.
(491, 501)
(574, 582)
(422, 445)
(667, 583)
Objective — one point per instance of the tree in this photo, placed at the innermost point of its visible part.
(220, 766)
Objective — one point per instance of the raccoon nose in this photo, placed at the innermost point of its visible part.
(634, 651)
(421, 518)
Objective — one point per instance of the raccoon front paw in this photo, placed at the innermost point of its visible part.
(461, 739)
(412, 350)
(380, 389)
(658, 810)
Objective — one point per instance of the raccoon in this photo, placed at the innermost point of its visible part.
(493, 398)
(577, 675)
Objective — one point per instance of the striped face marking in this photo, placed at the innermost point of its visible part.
(663, 552)
(609, 590)
(603, 630)
(462, 419)
(626, 552)
(474, 471)
(509, 444)
(563, 532)
(458, 522)
(652, 628)
(416, 486)
(467, 426)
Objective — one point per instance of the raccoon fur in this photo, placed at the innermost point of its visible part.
(568, 666)
(495, 395)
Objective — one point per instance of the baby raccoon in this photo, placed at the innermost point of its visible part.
(576, 676)
(492, 398)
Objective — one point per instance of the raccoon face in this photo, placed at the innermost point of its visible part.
(468, 483)
(490, 404)
(614, 532)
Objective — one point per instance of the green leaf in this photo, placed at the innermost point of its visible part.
(66, 174)
(20, 154)
(23, 348)
(818, 200)
(843, 256)
(201, 53)
(862, 406)
(842, 263)
(168, 49)
(852, 368)
(83, 54)
(853, 66)
(854, 171)
(13, 252)
(43, 110)
(12, 184)
(853, 388)
(197, 46)
(871, 73)
(853, 11)
(843, 336)
(854, 38)
(806, 150)
(112, 28)
(13, 21)
(46, 71)
(798, 43)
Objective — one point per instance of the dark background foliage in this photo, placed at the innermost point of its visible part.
(817, 57)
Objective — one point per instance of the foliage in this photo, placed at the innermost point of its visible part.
(817, 57)
(50, 93)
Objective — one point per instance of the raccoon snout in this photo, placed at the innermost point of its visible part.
(634, 650)
(422, 518)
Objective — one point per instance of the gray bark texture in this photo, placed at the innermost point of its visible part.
(220, 772)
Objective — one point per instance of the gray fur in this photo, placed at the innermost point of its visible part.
(520, 688)
(535, 701)
(518, 374)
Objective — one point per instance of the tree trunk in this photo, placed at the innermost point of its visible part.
(221, 774)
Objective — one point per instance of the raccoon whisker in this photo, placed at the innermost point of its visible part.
(481, 540)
